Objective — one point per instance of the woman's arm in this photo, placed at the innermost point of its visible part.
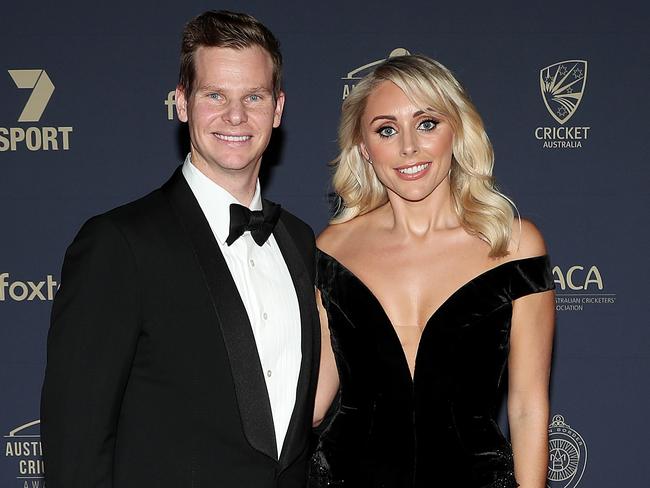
(328, 377)
(531, 343)
(529, 364)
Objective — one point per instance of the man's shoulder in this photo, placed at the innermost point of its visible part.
(141, 208)
(300, 231)
(293, 223)
(133, 213)
(132, 218)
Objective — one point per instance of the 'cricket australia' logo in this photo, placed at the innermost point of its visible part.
(567, 455)
(563, 85)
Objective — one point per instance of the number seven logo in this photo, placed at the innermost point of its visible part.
(43, 89)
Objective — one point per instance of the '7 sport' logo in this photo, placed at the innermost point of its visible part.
(35, 138)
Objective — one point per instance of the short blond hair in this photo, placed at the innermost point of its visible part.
(481, 208)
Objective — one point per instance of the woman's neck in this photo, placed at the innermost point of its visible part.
(418, 219)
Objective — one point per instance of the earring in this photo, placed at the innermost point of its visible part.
(369, 161)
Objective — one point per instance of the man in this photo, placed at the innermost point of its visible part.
(184, 338)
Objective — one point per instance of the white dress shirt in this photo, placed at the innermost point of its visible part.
(266, 288)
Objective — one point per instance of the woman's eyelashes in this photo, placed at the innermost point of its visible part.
(428, 125)
(386, 131)
(425, 125)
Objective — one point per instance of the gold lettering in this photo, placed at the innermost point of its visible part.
(593, 276)
(559, 278)
(49, 138)
(4, 142)
(33, 138)
(65, 131)
(569, 275)
(170, 102)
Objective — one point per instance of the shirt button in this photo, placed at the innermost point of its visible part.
(269, 373)
(265, 315)
(252, 263)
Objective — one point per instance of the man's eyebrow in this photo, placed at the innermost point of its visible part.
(210, 88)
(259, 89)
(217, 88)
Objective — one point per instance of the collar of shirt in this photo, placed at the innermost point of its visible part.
(215, 201)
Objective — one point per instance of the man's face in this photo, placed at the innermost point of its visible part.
(231, 111)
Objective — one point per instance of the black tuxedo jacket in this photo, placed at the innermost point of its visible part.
(153, 376)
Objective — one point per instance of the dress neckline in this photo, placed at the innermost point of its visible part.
(445, 303)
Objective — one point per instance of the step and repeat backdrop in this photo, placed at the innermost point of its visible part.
(87, 122)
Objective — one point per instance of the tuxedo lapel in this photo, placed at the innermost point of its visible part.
(250, 386)
(305, 294)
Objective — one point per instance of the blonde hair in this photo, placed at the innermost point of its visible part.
(481, 208)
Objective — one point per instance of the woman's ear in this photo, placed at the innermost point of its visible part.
(364, 152)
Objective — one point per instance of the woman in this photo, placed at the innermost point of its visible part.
(428, 291)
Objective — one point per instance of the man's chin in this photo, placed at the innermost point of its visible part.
(237, 166)
(234, 163)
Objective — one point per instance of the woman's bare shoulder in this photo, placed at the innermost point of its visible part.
(527, 240)
(336, 237)
(346, 238)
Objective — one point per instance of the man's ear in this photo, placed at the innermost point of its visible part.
(279, 108)
(181, 104)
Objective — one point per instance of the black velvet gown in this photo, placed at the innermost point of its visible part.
(438, 429)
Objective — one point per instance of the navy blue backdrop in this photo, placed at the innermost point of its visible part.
(87, 122)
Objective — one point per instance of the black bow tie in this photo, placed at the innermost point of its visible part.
(260, 223)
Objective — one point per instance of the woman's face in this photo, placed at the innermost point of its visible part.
(410, 150)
